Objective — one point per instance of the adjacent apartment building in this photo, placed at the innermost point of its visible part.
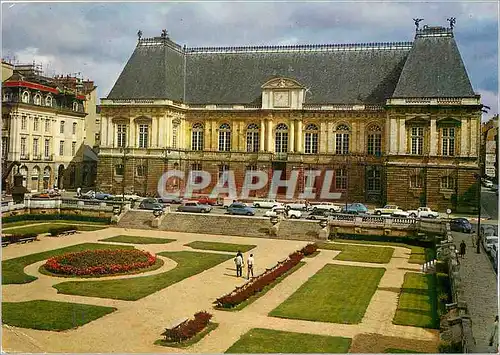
(489, 147)
(43, 129)
(397, 122)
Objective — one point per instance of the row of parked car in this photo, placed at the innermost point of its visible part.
(489, 240)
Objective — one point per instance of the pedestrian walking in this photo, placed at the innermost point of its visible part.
(474, 238)
(238, 261)
(250, 263)
(462, 249)
(79, 192)
(494, 337)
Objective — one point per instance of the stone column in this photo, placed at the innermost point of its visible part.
(161, 131)
(168, 131)
(154, 132)
(215, 136)
(270, 147)
(300, 148)
(292, 136)
(464, 138)
(402, 137)
(111, 132)
(329, 137)
(323, 137)
(262, 141)
(362, 148)
(131, 134)
(433, 138)
(474, 123)
(393, 138)
(242, 137)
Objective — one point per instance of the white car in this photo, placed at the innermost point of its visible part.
(302, 205)
(295, 214)
(391, 210)
(423, 212)
(266, 203)
(328, 206)
(130, 197)
(487, 183)
(489, 241)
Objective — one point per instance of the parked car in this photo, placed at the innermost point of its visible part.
(301, 205)
(327, 206)
(423, 212)
(266, 203)
(487, 183)
(204, 200)
(194, 206)
(170, 200)
(241, 209)
(318, 214)
(130, 197)
(391, 210)
(460, 225)
(150, 204)
(494, 255)
(355, 208)
(294, 214)
(88, 195)
(488, 230)
(103, 196)
(488, 242)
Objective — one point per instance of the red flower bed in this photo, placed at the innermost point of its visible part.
(256, 284)
(100, 262)
(187, 329)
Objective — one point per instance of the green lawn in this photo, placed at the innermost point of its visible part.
(51, 315)
(261, 293)
(189, 263)
(417, 305)
(42, 228)
(267, 341)
(137, 240)
(12, 269)
(220, 246)
(360, 253)
(400, 351)
(336, 294)
(417, 256)
(184, 344)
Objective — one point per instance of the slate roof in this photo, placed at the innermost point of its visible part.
(332, 74)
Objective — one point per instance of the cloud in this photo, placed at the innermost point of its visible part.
(97, 39)
(489, 98)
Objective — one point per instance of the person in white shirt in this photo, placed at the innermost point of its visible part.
(238, 261)
(250, 263)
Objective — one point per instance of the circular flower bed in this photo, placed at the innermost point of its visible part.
(100, 262)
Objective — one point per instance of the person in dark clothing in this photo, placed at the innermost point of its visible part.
(462, 249)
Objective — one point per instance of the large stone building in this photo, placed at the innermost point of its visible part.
(396, 122)
(43, 129)
(489, 148)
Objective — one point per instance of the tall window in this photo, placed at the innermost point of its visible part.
(281, 144)
(119, 169)
(252, 138)
(417, 140)
(23, 146)
(61, 127)
(222, 168)
(195, 168)
(47, 125)
(37, 99)
(375, 140)
(5, 143)
(197, 137)
(175, 131)
(374, 180)
(143, 135)
(416, 181)
(36, 124)
(46, 148)
(448, 182)
(74, 127)
(48, 100)
(448, 138)
(35, 147)
(61, 148)
(224, 137)
(340, 179)
(73, 148)
(140, 170)
(25, 97)
(311, 139)
(24, 122)
(121, 135)
(342, 139)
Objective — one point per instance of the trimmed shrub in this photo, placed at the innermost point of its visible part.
(14, 238)
(309, 249)
(418, 242)
(187, 329)
(58, 230)
(52, 217)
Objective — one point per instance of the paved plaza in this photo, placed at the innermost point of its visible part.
(135, 326)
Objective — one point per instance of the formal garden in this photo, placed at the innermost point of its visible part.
(304, 297)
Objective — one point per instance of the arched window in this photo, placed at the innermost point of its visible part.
(224, 137)
(448, 182)
(281, 143)
(48, 101)
(311, 139)
(7, 96)
(252, 138)
(25, 97)
(375, 140)
(197, 137)
(342, 139)
(75, 106)
(37, 99)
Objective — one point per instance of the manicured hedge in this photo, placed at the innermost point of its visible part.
(382, 238)
(52, 217)
(187, 329)
(58, 230)
(14, 238)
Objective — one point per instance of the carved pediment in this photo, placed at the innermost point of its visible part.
(418, 120)
(448, 121)
(282, 83)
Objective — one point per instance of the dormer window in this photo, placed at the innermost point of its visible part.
(25, 97)
(48, 101)
(37, 99)
(282, 93)
(7, 96)
(75, 106)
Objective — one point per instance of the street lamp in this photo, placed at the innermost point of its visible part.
(478, 178)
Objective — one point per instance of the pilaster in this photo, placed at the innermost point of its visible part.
(402, 136)
(474, 123)
(270, 147)
(329, 137)
(262, 141)
(433, 138)
(300, 148)
(322, 139)
(393, 136)
(292, 135)
(464, 138)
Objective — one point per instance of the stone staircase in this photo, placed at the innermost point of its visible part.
(136, 219)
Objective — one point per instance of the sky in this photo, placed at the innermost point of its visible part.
(97, 39)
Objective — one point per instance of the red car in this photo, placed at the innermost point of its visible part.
(205, 200)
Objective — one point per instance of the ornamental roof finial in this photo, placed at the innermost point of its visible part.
(452, 22)
(417, 22)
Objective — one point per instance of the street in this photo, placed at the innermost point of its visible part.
(489, 202)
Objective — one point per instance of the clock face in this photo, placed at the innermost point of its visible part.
(281, 99)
